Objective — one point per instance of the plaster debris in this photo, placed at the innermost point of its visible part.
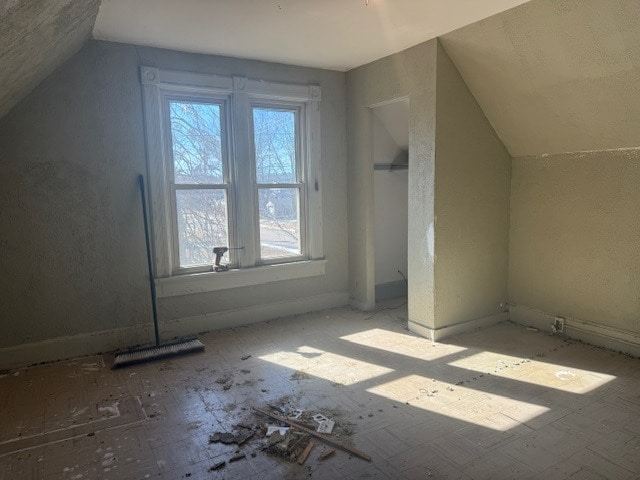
(292, 412)
(297, 439)
(271, 429)
(326, 427)
(217, 466)
(239, 456)
(108, 459)
(76, 412)
(111, 409)
(239, 438)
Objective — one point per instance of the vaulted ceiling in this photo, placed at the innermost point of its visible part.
(551, 75)
(36, 37)
(332, 34)
(555, 76)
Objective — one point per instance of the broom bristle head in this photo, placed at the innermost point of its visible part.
(156, 353)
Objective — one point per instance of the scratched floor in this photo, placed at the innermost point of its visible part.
(499, 403)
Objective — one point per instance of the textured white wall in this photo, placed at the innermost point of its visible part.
(73, 258)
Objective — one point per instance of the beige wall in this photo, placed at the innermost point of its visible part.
(575, 236)
(459, 174)
(410, 73)
(472, 189)
(72, 252)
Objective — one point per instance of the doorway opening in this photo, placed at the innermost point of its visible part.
(390, 183)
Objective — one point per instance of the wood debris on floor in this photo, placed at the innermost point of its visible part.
(292, 438)
(499, 402)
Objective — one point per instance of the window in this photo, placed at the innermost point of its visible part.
(199, 180)
(233, 162)
(278, 181)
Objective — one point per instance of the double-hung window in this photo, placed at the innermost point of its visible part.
(235, 163)
(198, 177)
(280, 189)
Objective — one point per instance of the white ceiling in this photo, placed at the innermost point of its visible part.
(556, 77)
(332, 34)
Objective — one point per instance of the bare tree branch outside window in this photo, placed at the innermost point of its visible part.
(197, 161)
(199, 179)
(275, 156)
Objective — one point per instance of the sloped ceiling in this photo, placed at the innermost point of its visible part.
(333, 34)
(36, 37)
(555, 76)
(395, 118)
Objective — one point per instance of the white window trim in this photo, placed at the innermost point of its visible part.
(243, 92)
(209, 281)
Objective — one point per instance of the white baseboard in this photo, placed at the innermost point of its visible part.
(437, 334)
(420, 329)
(61, 348)
(246, 316)
(71, 346)
(596, 334)
(363, 306)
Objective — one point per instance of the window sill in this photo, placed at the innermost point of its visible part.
(213, 281)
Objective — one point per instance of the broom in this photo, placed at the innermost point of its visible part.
(159, 350)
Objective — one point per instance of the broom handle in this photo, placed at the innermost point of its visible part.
(152, 282)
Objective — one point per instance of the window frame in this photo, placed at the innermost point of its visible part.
(300, 170)
(237, 96)
(227, 183)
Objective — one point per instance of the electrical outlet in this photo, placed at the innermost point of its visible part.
(559, 325)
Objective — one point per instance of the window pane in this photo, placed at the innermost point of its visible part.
(202, 225)
(274, 133)
(279, 222)
(197, 142)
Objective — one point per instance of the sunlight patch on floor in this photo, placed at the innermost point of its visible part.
(536, 372)
(458, 402)
(402, 344)
(327, 365)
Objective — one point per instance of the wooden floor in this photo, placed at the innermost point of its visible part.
(499, 403)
